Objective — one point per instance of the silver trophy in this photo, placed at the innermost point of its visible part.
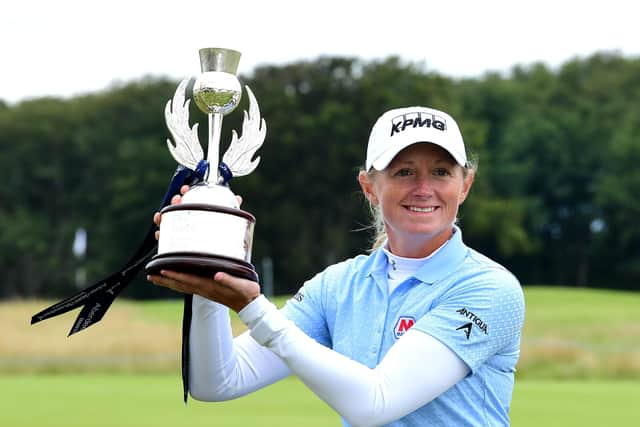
(208, 232)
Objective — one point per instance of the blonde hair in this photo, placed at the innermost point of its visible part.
(377, 223)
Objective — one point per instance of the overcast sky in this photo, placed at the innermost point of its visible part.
(68, 47)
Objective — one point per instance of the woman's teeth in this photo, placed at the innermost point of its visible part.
(417, 209)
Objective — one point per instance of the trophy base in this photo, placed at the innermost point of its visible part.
(201, 265)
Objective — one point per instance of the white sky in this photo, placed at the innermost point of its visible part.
(67, 47)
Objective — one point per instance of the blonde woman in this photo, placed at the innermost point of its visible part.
(422, 331)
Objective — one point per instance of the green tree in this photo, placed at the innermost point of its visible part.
(553, 198)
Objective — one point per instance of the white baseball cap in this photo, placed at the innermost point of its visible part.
(399, 128)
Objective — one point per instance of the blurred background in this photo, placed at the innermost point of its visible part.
(547, 96)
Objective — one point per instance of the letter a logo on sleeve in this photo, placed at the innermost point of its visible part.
(466, 328)
(403, 324)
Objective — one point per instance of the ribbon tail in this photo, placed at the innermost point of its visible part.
(93, 311)
(186, 327)
(61, 307)
(71, 302)
(98, 304)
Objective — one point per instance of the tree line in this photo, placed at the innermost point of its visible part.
(554, 197)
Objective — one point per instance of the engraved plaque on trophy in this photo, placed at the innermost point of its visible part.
(208, 232)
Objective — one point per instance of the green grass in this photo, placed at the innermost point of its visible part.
(149, 400)
(580, 333)
(557, 310)
(156, 400)
(575, 403)
(580, 366)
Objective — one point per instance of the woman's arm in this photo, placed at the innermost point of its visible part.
(417, 369)
(221, 367)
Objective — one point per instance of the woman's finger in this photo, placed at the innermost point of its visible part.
(234, 292)
(233, 282)
(168, 283)
(190, 279)
(193, 284)
(184, 189)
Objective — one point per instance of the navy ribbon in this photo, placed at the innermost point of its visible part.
(225, 173)
(97, 298)
(201, 169)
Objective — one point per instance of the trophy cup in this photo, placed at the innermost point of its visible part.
(208, 232)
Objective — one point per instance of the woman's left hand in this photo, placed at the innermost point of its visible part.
(223, 288)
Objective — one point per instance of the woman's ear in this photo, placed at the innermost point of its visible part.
(367, 187)
(466, 186)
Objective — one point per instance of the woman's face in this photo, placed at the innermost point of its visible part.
(418, 194)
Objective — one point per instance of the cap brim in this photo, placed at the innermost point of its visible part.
(385, 158)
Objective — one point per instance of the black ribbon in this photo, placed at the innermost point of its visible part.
(97, 298)
(186, 327)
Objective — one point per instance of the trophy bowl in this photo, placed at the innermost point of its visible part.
(208, 232)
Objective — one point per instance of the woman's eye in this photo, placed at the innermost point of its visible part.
(403, 172)
(441, 172)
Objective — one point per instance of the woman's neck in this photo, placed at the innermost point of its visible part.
(411, 247)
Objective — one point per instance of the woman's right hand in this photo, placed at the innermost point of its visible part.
(157, 217)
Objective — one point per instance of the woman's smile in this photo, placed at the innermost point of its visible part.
(421, 209)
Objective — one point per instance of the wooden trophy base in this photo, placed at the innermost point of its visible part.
(201, 265)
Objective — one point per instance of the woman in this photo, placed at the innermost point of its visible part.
(422, 331)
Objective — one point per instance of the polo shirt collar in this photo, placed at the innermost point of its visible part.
(445, 261)
(377, 267)
(434, 268)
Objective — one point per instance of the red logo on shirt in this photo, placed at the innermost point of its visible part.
(403, 324)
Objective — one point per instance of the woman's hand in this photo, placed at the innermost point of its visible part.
(223, 288)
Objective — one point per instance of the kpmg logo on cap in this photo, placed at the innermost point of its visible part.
(417, 120)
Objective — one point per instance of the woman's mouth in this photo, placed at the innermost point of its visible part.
(422, 209)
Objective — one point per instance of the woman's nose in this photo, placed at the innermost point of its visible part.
(423, 186)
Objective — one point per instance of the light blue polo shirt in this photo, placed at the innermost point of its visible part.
(464, 299)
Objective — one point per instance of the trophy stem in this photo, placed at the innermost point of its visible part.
(215, 130)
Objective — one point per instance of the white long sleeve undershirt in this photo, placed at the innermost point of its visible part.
(417, 369)
(221, 367)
